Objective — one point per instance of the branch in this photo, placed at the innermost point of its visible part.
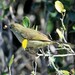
(62, 55)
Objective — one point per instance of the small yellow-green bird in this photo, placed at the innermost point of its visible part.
(35, 38)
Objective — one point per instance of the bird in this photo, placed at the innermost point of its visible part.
(36, 39)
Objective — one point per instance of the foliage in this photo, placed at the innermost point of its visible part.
(59, 7)
(11, 61)
(26, 22)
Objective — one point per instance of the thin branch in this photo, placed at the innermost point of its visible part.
(62, 55)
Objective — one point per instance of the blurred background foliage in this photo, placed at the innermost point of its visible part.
(45, 18)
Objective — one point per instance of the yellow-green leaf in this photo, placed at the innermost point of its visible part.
(73, 27)
(59, 7)
(11, 61)
(32, 73)
(73, 71)
(60, 33)
(65, 72)
(24, 43)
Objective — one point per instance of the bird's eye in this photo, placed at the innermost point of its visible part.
(5, 27)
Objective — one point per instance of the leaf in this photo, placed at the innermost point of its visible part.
(59, 7)
(73, 71)
(32, 73)
(65, 72)
(4, 73)
(53, 14)
(60, 33)
(26, 22)
(73, 27)
(11, 61)
(49, 27)
(24, 43)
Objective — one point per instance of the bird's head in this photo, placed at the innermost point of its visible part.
(17, 29)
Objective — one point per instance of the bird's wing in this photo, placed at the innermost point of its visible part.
(34, 35)
(28, 33)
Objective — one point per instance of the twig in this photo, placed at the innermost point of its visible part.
(61, 19)
(60, 55)
(66, 45)
(51, 61)
(63, 55)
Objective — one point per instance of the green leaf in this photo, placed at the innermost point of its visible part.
(11, 61)
(4, 73)
(49, 27)
(26, 22)
(53, 14)
(73, 27)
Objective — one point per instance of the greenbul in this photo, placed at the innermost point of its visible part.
(35, 39)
